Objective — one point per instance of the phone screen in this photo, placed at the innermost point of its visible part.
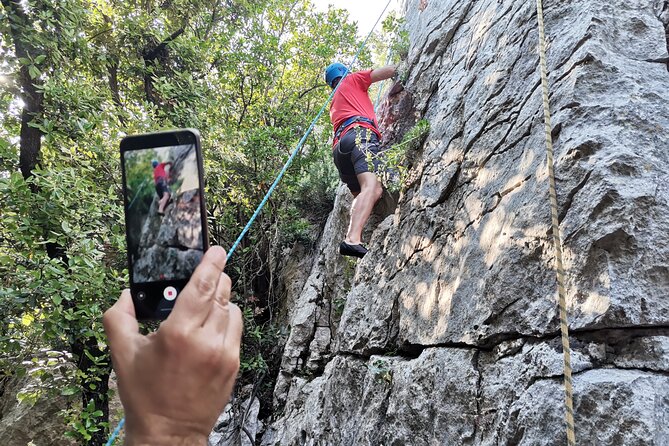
(165, 220)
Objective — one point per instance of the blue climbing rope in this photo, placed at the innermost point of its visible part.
(117, 431)
(234, 246)
(378, 96)
(141, 186)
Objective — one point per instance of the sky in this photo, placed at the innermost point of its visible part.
(365, 12)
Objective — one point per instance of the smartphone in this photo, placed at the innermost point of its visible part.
(165, 216)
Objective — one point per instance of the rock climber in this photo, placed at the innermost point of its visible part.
(162, 189)
(356, 141)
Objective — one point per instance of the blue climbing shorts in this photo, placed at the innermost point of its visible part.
(357, 151)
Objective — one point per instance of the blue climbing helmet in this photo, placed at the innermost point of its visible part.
(154, 163)
(334, 71)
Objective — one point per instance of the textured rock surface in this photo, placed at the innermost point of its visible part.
(228, 429)
(458, 291)
(317, 310)
(384, 400)
(23, 424)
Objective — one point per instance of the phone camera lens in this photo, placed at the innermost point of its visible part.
(141, 295)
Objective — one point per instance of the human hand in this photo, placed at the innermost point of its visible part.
(396, 89)
(174, 383)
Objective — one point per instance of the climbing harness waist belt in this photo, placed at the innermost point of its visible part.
(350, 121)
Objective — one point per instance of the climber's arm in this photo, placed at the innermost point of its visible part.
(383, 73)
(169, 172)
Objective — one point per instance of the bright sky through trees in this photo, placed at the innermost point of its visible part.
(365, 12)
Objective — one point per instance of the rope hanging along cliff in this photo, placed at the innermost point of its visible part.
(557, 244)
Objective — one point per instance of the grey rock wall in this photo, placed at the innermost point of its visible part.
(449, 333)
(38, 424)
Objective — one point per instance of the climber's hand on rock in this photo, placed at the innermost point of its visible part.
(396, 88)
(175, 382)
(399, 77)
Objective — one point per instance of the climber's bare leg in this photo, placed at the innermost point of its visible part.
(361, 209)
(163, 202)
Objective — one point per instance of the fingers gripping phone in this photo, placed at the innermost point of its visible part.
(165, 216)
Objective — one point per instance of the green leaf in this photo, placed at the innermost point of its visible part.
(33, 71)
(27, 319)
(69, 391)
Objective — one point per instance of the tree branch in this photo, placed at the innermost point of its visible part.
(152, 54)
(301, 95)
(30, 137)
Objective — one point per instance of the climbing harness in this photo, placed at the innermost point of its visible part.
(564, 323)
(234, 246)
(349, 122)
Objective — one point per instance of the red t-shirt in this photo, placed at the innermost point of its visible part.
(352, 99)
(159, 171)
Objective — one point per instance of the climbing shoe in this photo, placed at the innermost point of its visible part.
(352, 250)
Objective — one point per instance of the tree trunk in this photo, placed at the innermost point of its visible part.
(94, 386)
(30, 144)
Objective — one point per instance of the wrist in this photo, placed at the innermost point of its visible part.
(155, 430)
(192, 439)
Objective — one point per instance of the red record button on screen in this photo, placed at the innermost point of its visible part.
(170, 293)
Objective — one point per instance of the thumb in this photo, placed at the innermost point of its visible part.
(121, 323)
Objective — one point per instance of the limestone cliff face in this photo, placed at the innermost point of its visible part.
(447, 332)
(38, 424)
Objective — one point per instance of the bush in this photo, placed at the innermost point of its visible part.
(396, 161)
